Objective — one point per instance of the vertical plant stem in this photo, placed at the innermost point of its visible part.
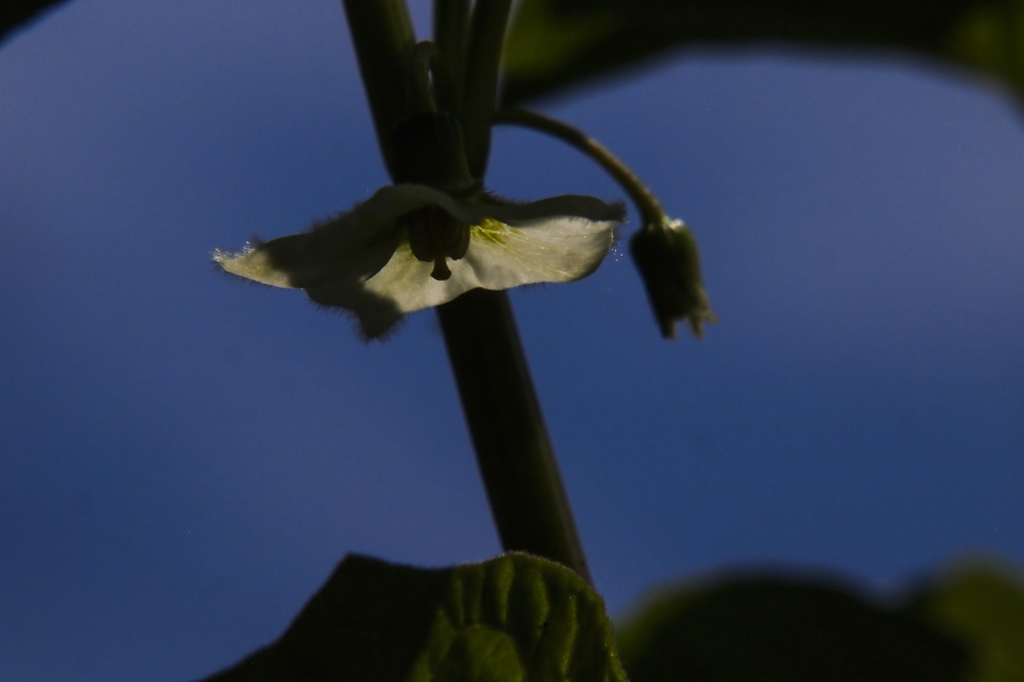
(383, 37)
(514, 453)
(513, 449)
(450, 21)
(480, 93)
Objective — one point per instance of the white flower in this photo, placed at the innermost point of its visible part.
(363, 260)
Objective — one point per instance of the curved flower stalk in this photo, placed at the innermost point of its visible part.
(389, 255)
(664, 250)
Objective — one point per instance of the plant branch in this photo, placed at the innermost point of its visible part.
(480, 89)
(517, 463)
(650, 208)
(451, 17)
(514, 453)
(383, 38)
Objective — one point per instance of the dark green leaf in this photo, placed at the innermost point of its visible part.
(771, 629)
(559, 43)
(513, 618)
(985, 608)
(16, 14)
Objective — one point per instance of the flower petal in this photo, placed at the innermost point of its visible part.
(560, 249)
(361, 261)
(348, 248)
(566, 206)
(527, 214)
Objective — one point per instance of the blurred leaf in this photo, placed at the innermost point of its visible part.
(17, 13)
(768, 629)
(513, 618)
(985, 608)
(558, 43)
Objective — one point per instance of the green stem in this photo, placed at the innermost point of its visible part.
(514, 452)
(451, 18)
(650, 208)
(424, 61)
(432, 85)
(480, 91)
(383, 38)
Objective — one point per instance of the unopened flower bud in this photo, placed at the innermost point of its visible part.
(667, 257)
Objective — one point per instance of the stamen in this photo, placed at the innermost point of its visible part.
(441, 271)
(435, 236)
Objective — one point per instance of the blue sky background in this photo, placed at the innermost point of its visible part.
(184, 458)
